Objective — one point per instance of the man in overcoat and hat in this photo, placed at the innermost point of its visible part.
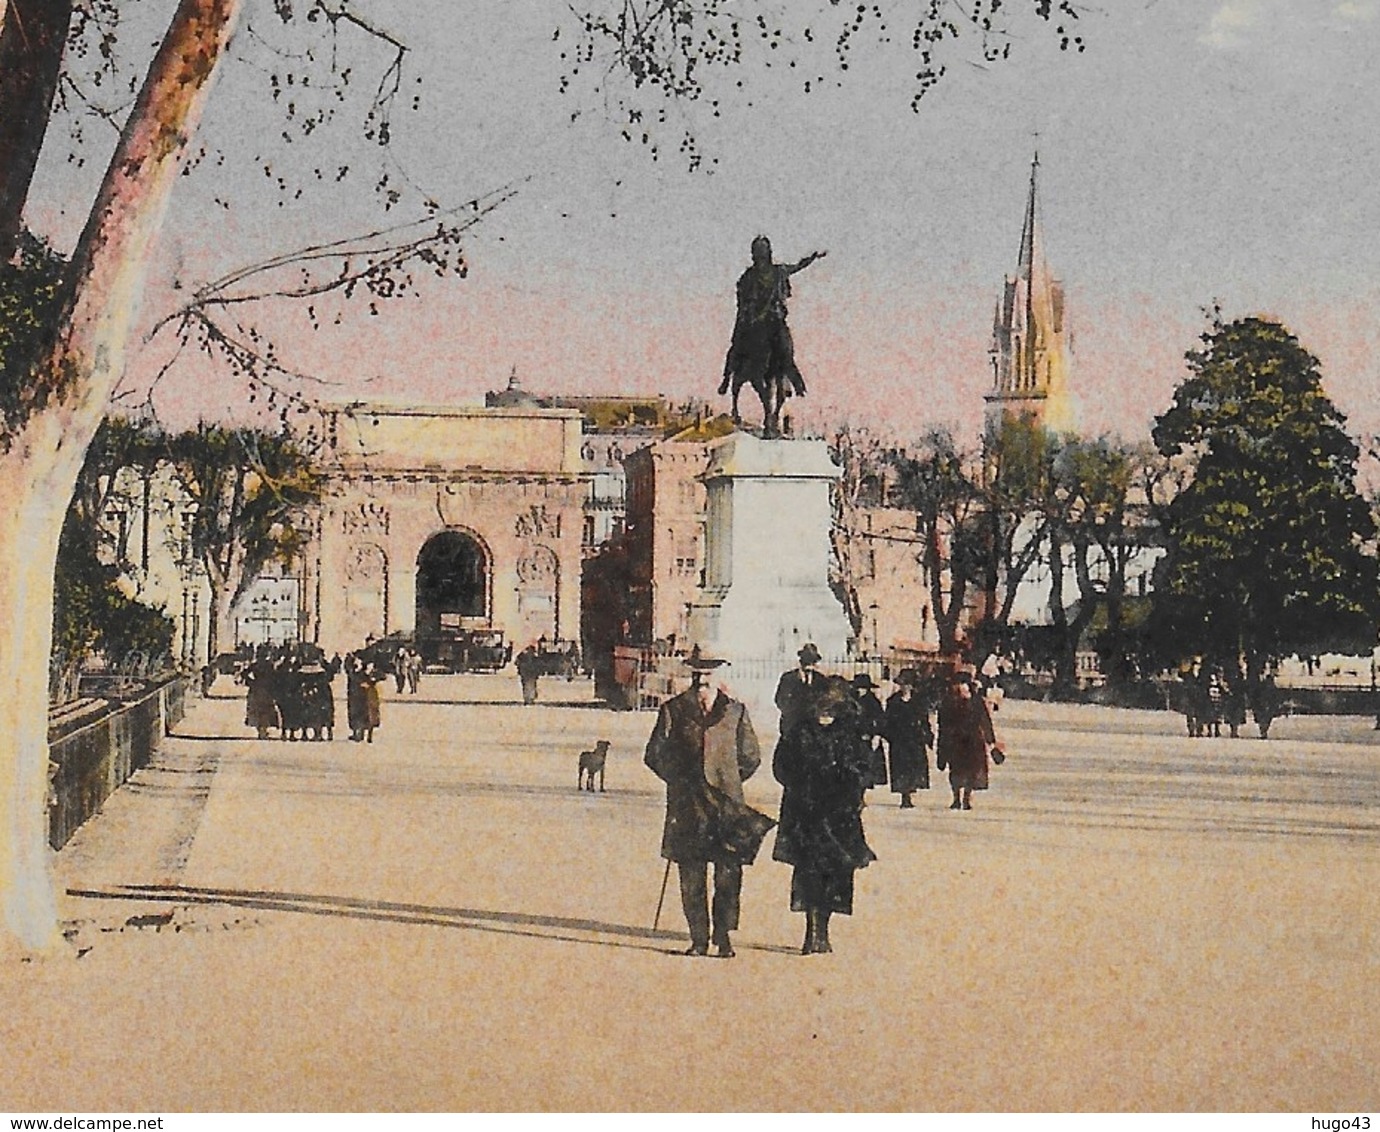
(704, 747)
(798, 689)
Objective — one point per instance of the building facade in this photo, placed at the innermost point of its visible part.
(888, 584)
(447, 519)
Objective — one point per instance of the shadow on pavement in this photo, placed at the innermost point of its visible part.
(558, 928)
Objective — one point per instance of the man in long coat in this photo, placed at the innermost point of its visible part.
(704, 747)
(797, 689)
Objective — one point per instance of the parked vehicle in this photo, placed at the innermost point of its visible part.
(466, 650)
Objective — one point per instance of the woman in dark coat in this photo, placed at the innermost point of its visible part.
(965, 737)
(318, 703)
(824, 770)
(871, 727)
(290, 701)
(909, 737)
(362, 698)
(260, 704)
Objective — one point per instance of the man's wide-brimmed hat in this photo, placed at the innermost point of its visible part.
(699, 661)
(808, 654)
(863, 680)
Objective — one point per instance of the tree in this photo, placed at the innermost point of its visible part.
(1269, 543)
(1023, 510)
(1096, 520)
(252, 490)
(92, 609)
(936, 481)
(54, 405)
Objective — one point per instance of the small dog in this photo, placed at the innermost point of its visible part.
(592, 763)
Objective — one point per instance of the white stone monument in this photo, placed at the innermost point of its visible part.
(766, 582)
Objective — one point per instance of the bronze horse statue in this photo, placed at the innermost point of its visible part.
(754, 360)
(762, 354)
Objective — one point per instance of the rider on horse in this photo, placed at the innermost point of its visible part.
(762, 354)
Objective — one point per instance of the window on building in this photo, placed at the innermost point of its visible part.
(117, 522)
(587, 534)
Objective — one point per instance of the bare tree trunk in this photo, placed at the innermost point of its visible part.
(33, 38)
(64, 404)
(217, 618)
(32, 480)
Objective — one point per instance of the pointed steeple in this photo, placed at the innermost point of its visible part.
(1032, 250)
(1029, 343)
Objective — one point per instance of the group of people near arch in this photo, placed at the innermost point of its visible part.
(288, 689)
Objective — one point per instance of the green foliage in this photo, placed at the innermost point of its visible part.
(31, 298)
(251, 488)
(91, 612)
(1269, 549)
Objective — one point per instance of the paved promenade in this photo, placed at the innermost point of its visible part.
(1128, 920)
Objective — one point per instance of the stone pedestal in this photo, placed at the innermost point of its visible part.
(766, 585)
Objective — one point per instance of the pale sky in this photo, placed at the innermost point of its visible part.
(1197, 150)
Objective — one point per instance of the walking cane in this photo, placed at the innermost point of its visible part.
(666, 876)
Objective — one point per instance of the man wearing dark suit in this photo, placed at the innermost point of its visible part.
(798, 689)
(703, 747)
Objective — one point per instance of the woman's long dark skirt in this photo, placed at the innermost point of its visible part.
(812, 890)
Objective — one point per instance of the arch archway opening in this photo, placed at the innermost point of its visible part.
(452, 583)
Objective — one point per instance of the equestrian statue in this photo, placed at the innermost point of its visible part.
(761, 354)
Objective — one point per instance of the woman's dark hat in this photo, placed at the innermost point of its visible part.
(809, 654)
(697, 661)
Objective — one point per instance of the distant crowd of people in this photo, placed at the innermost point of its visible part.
(1216, 695)
(289, 690)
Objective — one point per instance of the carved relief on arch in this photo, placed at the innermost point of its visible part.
(366, 563)
(538, 568)
(537, 522)
(538, 571)
(365, 518)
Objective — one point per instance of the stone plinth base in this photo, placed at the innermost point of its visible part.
(766, 589)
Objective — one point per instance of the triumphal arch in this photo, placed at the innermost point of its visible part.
(446, 519)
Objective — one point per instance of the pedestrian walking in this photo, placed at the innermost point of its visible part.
(260, 705)
(1265, 703)
(965, 739)
(796, 688)
(1192, 700)
(318, 703)
(413, 671)
(362, 701)
(528, 669)
(288, 690)
(703, 748)
(823, 770)
(1216, 694)
(871, 728)
(1234, 701)
(909, 737)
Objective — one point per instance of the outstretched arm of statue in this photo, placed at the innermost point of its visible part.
(804, 263)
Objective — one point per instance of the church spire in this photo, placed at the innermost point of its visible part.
(1032, 250)
(1029, 342)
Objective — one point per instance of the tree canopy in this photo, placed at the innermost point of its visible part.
(1270, 544)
